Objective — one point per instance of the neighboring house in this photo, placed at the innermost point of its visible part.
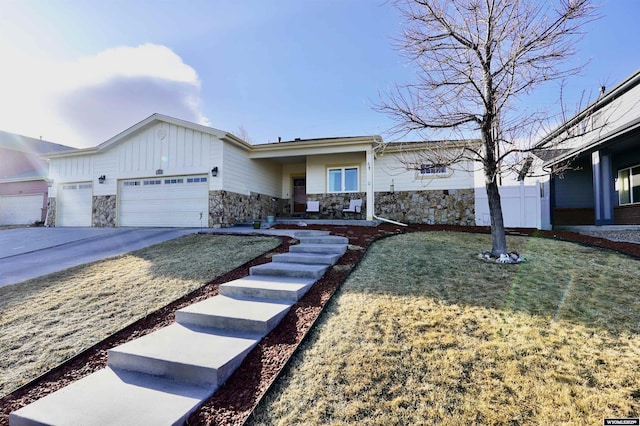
(168, 172)
(23, 179)
(602, 186)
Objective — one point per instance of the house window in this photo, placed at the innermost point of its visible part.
(596, 120)
(343, 179)
(429, 169)
(628, 185)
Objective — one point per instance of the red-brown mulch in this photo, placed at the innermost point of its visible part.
(233, 402)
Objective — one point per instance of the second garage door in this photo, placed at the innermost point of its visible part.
(20, 209)
(178, 201)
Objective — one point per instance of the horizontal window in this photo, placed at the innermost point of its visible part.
(131, 183)
(153, 182)
(85, 186)
(67, 187)
(173, 181)
(427, 169)
(343, 179)
(196, 180)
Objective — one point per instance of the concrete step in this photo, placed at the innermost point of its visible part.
(323, 239)
(287, 289)
(186, 354)
(318, 248)
(112, 397)
(296, 270)
(308, 258)
(310, 233)
(233, 314)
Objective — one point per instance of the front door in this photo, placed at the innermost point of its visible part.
(299, 195)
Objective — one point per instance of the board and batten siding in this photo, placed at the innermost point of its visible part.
(244, 175)
(70, 169)
(175, 150)
(317, 166)
(388, 171)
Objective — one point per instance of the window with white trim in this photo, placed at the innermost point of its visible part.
(153, 182)
(430, 169)
(196, 180)
(628, 185)
(173, 181)
(131, 183)
(343, 179)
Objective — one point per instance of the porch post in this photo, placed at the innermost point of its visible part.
(369, 178)
(602, 183)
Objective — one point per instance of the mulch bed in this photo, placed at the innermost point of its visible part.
(233, 402)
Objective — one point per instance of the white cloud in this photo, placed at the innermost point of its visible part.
(86, 101)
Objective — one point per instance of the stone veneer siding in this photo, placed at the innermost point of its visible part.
(227, 208)
(450, 207)
(51, 212)
(103, 212)
(331, 205)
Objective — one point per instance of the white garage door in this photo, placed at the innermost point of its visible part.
(177, 201)
(21, 209)
(74, 205)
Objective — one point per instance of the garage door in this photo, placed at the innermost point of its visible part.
(74, 208)
(177, 201)
(21, 209)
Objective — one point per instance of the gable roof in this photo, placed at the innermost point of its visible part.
(144, 124)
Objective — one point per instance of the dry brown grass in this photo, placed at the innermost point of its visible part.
(49, 319)
(424, 332)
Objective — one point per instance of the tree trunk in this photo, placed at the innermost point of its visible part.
(498, 238)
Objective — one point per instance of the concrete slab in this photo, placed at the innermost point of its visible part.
(228, 313)
(266, 287)
(323, 239)
(308, 258)
(185, 354)
(114, 397)
(318, 248)
(289, 270)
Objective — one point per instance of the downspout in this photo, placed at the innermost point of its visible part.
(389, 220)
(373, 158)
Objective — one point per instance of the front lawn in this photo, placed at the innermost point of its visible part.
(47, 320)
(424, 332)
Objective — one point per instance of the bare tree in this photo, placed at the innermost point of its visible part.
(477, 60)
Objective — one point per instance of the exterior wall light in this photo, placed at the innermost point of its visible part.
(102, 178)
(214, 171)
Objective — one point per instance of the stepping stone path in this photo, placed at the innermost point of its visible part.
(160, 378)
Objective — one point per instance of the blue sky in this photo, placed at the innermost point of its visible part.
(78, 72)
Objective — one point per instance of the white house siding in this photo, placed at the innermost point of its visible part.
(389, 171)
(243, 175)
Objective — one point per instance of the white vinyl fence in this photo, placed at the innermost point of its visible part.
(522, 206)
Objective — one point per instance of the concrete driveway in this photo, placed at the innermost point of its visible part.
(27, 253)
